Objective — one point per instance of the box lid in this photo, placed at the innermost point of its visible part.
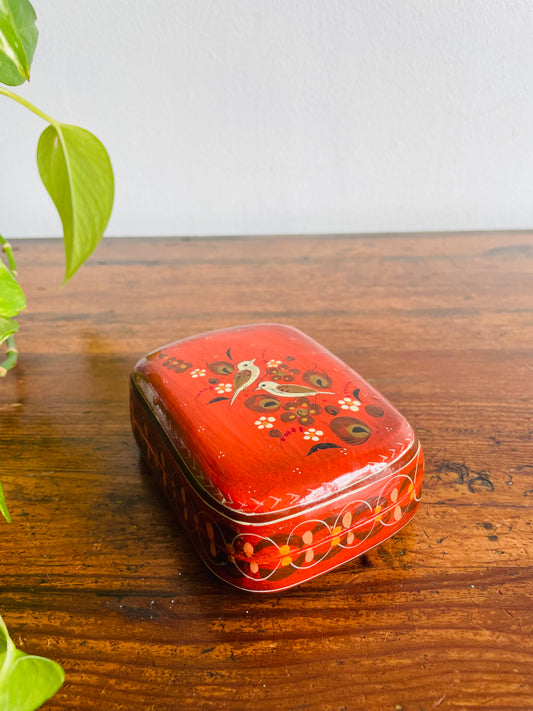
(265, 421)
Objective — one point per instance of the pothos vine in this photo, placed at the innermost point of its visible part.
(77, 173)
(10, 348)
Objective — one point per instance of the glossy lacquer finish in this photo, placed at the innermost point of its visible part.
(280, 460)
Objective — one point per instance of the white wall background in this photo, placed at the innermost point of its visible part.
(292, 116)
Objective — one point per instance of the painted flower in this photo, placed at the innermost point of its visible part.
(301, 410)
(281, 373)
(272, 363)
(265, 423)
(175, 364)
(198, 373)
(349, 403)
(313, 434)
(223, 388)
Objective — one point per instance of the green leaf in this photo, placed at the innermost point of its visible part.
(18, 38)
(76, 171)
(5, 513)
(26, 681)
(11, 295)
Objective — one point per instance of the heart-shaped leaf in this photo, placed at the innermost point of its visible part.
(18, 38)
(11, 295)
(26, 681)
(76, 171)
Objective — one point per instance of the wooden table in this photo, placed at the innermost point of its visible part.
(95, 572)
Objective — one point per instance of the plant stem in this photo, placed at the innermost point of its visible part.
(11, 348)
(27, 104)
(6, 246)
(12, 356)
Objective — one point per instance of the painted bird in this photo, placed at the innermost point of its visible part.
(247, 373)
(289, 389)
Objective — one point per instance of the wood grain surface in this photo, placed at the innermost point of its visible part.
(95, 572)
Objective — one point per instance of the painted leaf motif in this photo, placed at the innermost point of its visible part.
(217, 399)
(317, 378)
(76, 171)
(26, 681)
(18, 39)
(374, 410)
(322, 445)
(12, 298)
(221, 367)
(260, 403)
(350, 429)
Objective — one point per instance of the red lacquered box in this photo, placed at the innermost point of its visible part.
(280, 461)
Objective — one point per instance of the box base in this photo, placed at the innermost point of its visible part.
(274, 556)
